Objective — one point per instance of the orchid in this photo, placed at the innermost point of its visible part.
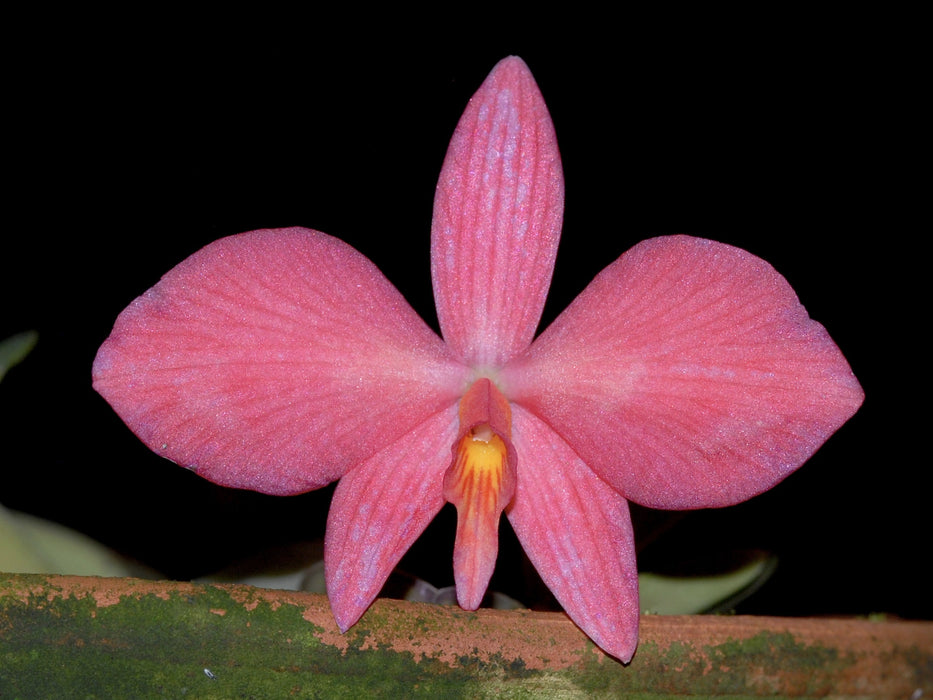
(686, 375)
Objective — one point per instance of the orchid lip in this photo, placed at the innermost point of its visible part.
(480, 482)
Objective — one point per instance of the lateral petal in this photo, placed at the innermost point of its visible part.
(687, 375)
(497, 217)
(380, 509)
(274, 360)
(578, 534)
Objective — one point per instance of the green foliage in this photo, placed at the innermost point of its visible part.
(712, 592)
(15, 348)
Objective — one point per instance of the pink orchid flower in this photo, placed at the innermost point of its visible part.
(686, 375)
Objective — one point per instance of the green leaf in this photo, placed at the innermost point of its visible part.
(29, 544)
(15, 348)
(689, 595)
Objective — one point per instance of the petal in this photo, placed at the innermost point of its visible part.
(497, 218)
(578, 534)
(274, 360)
(379, 510)
(687, 375)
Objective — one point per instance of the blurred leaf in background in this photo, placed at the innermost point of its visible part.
(15, 348)
(29, 544)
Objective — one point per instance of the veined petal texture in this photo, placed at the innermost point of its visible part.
(380, 509)
(577, 531)
(274, 360)
(497, 217)
(687, 375)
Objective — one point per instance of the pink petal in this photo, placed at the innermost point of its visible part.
(274, 360)
(578, 534)
(380, 509)
(687, 375)
(497, 217)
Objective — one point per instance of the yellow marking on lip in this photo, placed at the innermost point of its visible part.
(476, 475)
(480, 482)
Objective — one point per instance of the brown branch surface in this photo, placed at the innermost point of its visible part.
(67, 636)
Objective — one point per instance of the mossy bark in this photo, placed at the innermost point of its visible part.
(65, 636)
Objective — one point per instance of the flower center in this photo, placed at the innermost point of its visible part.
(480, 483)
(475, 477)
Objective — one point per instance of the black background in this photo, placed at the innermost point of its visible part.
(131, 150)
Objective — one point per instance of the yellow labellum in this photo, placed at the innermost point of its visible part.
(480, 483)
(477, 472)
